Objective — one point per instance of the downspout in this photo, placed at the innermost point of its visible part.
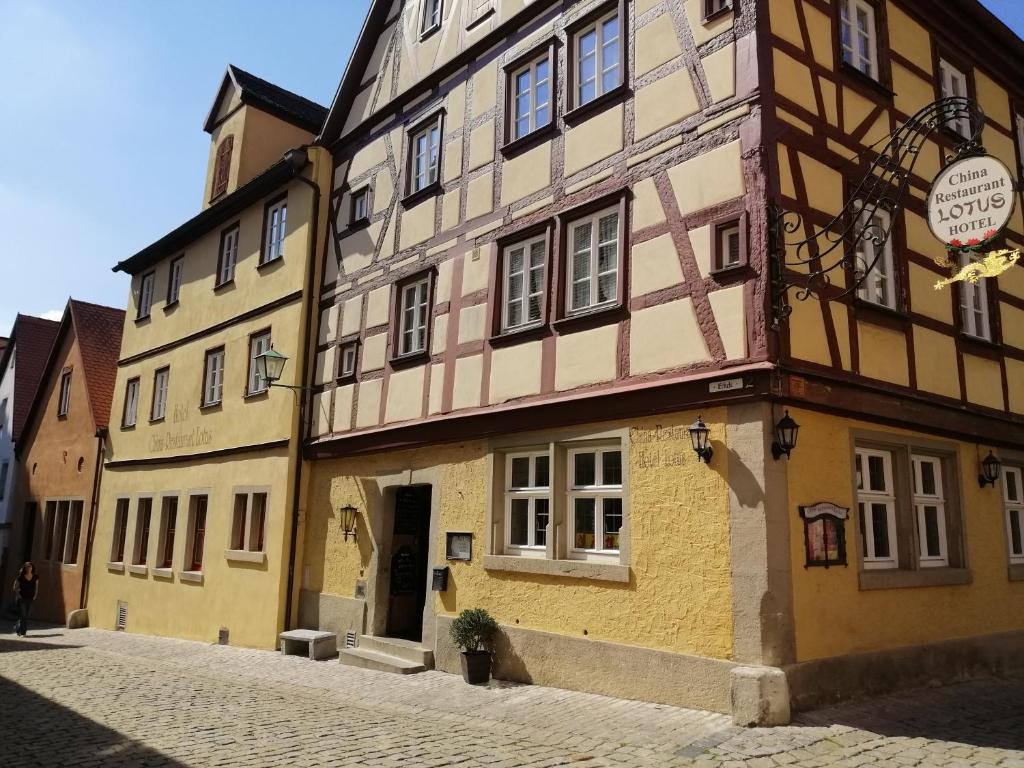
(303, 393)
(101, 452)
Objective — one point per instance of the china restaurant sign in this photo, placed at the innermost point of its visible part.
(971, 201)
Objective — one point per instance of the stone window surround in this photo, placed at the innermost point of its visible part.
(49, 521)
(556, 562)
(186, 574)
(902, 446)
(134, 565)
(248, 555)
(1012, 458)
(120, 532)
(158, 568)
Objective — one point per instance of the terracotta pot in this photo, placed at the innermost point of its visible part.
(476, 667)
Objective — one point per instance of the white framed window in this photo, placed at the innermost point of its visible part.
(258, 344)
(432, 10)
(131, 402)
(930, 511)
(414, 310)
(213, 377)
(859, 36)
(228, 256)
(593, 261)
(275, 229)
(146, 295)
(248, 521)
(360, 205)
(161, 383)
(347, 367)
(876, 507)
(974, 303)
(64, 399)
(879, 286)
(595, 501)
(174, 280)
(424, 163)
(531, 97)
(1013, 499)
(523, 267)
(954, 83)
(527, 502)
(598, 58)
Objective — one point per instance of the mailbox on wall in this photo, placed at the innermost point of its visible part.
(440, 581)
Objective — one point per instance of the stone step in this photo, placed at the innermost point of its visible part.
(409, 650)
(382, 662)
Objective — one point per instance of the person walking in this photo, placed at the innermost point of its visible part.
(26, 587)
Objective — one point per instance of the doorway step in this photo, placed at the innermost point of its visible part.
(388, 654)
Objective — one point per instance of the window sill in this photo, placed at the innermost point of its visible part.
(115, 567)
(429, 32)
(982, 347)
(163, 573)
(573, 569)
(244, 556)
(730, 271)
(139, 570)
(480, 19)
(128, 427)
(578, 114)
(348, 378)
(205, 407)
(355, 226)
(157, 421)
(196, 577)
(717, 15)
(261, 395)
(170, 306)
(413, 198)
(925, 577)
(880, 315)
(536, 136)
(142, 319)
(219, 287)
(590, 318)
(857, 76)
(265, 266)
(413, 358)
(1015, 572)
(517, 335)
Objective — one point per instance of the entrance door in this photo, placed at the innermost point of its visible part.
(409, 543)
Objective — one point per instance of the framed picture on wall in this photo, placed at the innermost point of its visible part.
(459, 545)
(824, 534)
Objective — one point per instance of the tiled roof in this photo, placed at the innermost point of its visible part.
(31, 338)
(274, 99)
(99, 340)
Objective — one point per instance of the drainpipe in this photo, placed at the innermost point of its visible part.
(97, 477)
(299, 160)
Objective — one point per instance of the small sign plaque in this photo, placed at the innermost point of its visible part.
(824, 534)
(726, 385)
(459, 546)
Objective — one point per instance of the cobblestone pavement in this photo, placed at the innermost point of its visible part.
(93, 698)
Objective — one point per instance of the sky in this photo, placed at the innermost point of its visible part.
(101, 111)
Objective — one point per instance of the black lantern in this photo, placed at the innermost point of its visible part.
(989, 471)
(786, 431)
(270, 366)
(700, 436)
(348, 521)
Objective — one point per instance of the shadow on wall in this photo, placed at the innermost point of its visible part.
(38, 731)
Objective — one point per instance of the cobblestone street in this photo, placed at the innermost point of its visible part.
(94, 698)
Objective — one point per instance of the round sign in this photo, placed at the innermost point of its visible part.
(971, 201)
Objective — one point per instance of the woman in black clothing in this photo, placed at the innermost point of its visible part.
(25, 589)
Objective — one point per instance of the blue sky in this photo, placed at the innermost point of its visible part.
(102, 109)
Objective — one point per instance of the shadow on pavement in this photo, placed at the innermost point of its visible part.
(987, 713)
(38, 731)
(11, 644)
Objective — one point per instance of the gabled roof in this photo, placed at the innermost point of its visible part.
(98, 331)
(271, 98)
(33, 337)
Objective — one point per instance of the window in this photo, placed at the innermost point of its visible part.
(859, 36)
(146, 295)
(174, 280)
(161, 381)
(120, 531)
(143, 517)
(715, 7)
(431, 15)
(3, 479)
(228, 256)
(213, 377)
(594, 261)
(197, 532)
(414, 309)
(248, 521)
(258, 344)
(527, 501)
(595, 500)
(974, 303)
(63, 530)
(930, 511)
(347, 366)
(168, 521)
(954, 83)
(424, 156)
(1013, 498)
(131, 403)
(64, 400)
(879, 287)
(360, 210)
(530, 96)
(523, 283)
(274, 228)
(3, 412)
(730, 245)
(222, 168)
(876, 507)
(49, 529)
(1020, 141)
(597, 58)
(74, 532)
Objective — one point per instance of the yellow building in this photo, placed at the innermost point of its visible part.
(194, 530)
(549, 254)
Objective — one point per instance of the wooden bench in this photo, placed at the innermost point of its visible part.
(319, 645)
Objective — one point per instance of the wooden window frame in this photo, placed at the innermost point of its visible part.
(897, 273)
(140, 548)
(203, 403)
(145, 309)
(397, 356)
(574, 111)
(965, 289)
(600, 491)
(64, 393)
(882, 83)
(738, 220)
(710, 14)
(919, 501)
(532, 492)
(513, 144)
(137, 382)
(252, 540)
(433, 119)
(153, 418)
(499, 331)
(249, 391)
(944, 55)
(224, 233)
(1010, 506)
(363, 191)
(168, 531)
(428, 30)
(342, 375)
(280, 201)
(196, 533)
(119, 539)
(222, 167)
(174, 291)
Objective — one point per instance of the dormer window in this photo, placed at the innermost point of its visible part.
(222, 167)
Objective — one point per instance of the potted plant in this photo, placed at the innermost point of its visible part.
(473, 630)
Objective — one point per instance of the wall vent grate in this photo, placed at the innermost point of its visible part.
(350, 639)
(122, 616)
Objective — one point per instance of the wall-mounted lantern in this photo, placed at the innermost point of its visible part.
(270, 366)
(989, 471)
(700, 436)
(349, 517)
(786, 431)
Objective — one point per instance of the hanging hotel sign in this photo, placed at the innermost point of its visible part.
(971, 201)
